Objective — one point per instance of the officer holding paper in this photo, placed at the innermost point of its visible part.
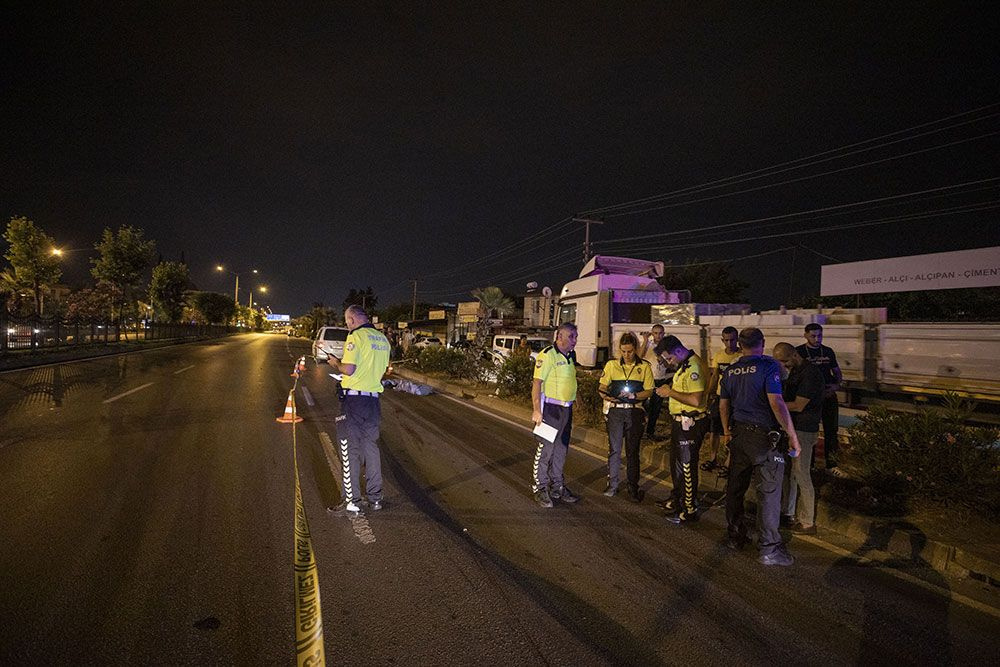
(553, 390)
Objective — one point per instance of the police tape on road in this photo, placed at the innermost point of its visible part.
(308, 613)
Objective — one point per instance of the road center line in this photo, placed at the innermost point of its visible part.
(186, 368)
(832, 548)
(130, 391)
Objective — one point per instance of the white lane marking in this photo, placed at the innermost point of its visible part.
(529, 429)
(359, 524)
(186, 368)
(130, 391)
(832, 548)
(309, 399)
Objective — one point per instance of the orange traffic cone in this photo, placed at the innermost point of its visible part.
(301, 368)
(290, 416)
(295, 371)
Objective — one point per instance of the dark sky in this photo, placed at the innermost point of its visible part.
(342, 145)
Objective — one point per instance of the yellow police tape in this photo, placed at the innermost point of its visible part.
(308, 615)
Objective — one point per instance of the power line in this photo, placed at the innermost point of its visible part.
(795, 164)
(801, 178)
(789, 216)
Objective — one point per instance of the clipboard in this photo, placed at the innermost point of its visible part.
(546, 432)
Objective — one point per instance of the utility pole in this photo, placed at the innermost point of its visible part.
(413, 312)
(586, 235)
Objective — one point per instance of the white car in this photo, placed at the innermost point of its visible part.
(428, 342)
(329, 342)
(505, 344)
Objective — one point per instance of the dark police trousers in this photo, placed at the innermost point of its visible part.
(624, 426)
(357, 435)
(550, 457)
(654, 404)
(751, 457)
(684, 451)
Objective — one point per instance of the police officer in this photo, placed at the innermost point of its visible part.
(752, 408)
(553, 390)
(689, 423)
(625, 414)
(366, 358)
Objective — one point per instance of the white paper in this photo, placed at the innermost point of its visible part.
(546, 432)
(337, 376)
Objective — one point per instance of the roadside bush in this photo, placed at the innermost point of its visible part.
(932, 455)
(589, 407)
(440, 359)
(514, 377)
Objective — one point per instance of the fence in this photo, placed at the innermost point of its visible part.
(34, 333)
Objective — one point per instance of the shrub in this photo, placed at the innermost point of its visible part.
(514, 377)
(589, 407)
(440, 359)
(932, 455)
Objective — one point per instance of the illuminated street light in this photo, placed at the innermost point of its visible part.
(236, 291)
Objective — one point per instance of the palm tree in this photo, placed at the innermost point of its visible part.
(490, 299)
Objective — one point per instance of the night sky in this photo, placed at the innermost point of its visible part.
(340, 145)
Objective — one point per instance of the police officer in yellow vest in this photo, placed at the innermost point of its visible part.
(553, 390)
(366, 358)
(626, 417)
(689, 424)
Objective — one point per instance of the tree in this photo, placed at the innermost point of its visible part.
(92, 303)
(320, 316)
(11, 291)
(708, 282)
(491, 299)
(30, 253)
(361, 297)
(124, 256)
(212, 307)
(166, 290)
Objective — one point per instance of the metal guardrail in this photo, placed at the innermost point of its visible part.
(34, 333)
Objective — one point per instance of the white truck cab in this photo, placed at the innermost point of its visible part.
(612, 295)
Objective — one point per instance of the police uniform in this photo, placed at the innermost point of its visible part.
(557, 371)
(661, 376)
(625, 421)
(687, 429)
(753, 452)
(358, 428)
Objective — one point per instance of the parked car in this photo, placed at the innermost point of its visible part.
(505, 344)
(427, 342)
(329, 341)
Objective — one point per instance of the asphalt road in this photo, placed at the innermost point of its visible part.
(155, 527)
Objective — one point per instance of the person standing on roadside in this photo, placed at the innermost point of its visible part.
(553, 390)
(824, 358)
(625, 414)
(803, 393)
(366, 358)
(661, 376)
(689, 423)
(729, 353)
(752, 409)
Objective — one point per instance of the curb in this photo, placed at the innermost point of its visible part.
(897, 536)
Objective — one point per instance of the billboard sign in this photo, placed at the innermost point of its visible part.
(278, 318)
(979, 267)
(436, 315)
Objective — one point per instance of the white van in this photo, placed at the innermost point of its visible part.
(505, 344)
(329, 341)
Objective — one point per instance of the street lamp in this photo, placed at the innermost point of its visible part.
(236, 292)
(260, 288)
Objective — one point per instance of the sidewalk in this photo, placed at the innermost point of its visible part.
(969, 549)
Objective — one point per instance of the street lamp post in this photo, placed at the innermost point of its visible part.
(236, 291)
